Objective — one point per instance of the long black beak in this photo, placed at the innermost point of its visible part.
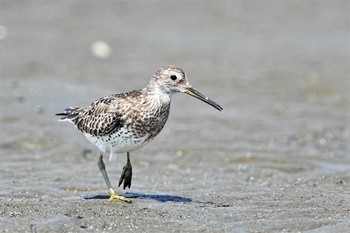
(193, 92)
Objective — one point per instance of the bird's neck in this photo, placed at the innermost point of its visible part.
(156, 94)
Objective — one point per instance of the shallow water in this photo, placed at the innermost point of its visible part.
(276, 159)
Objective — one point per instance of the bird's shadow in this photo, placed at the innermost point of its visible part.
(160, 198)
(156, 197)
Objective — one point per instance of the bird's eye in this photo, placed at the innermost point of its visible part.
(173, 77)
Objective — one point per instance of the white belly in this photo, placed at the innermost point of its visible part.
(120, 142)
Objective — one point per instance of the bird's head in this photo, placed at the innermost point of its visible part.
(172, 79)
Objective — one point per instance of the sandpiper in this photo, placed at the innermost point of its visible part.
(125, 122)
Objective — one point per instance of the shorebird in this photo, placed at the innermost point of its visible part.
(125, 122)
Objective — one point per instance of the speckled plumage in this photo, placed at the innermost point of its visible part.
(125, 122)
(121, 122)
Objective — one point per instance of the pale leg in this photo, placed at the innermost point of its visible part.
(102, 168)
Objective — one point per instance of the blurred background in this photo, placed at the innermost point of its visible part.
(274, 58)
(280, 69)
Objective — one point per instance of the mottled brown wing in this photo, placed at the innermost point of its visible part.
(100, 119)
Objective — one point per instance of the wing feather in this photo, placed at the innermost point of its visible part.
(100, 120)
(104, 116)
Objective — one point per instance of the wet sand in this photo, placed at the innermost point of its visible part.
(275, 160)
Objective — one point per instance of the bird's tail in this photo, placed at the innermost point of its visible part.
(69, 114)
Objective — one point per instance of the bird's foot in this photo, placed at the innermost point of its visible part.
(114, 196)
(121, 198)
(126, 176)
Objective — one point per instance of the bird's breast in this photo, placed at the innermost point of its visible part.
(149, 122)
